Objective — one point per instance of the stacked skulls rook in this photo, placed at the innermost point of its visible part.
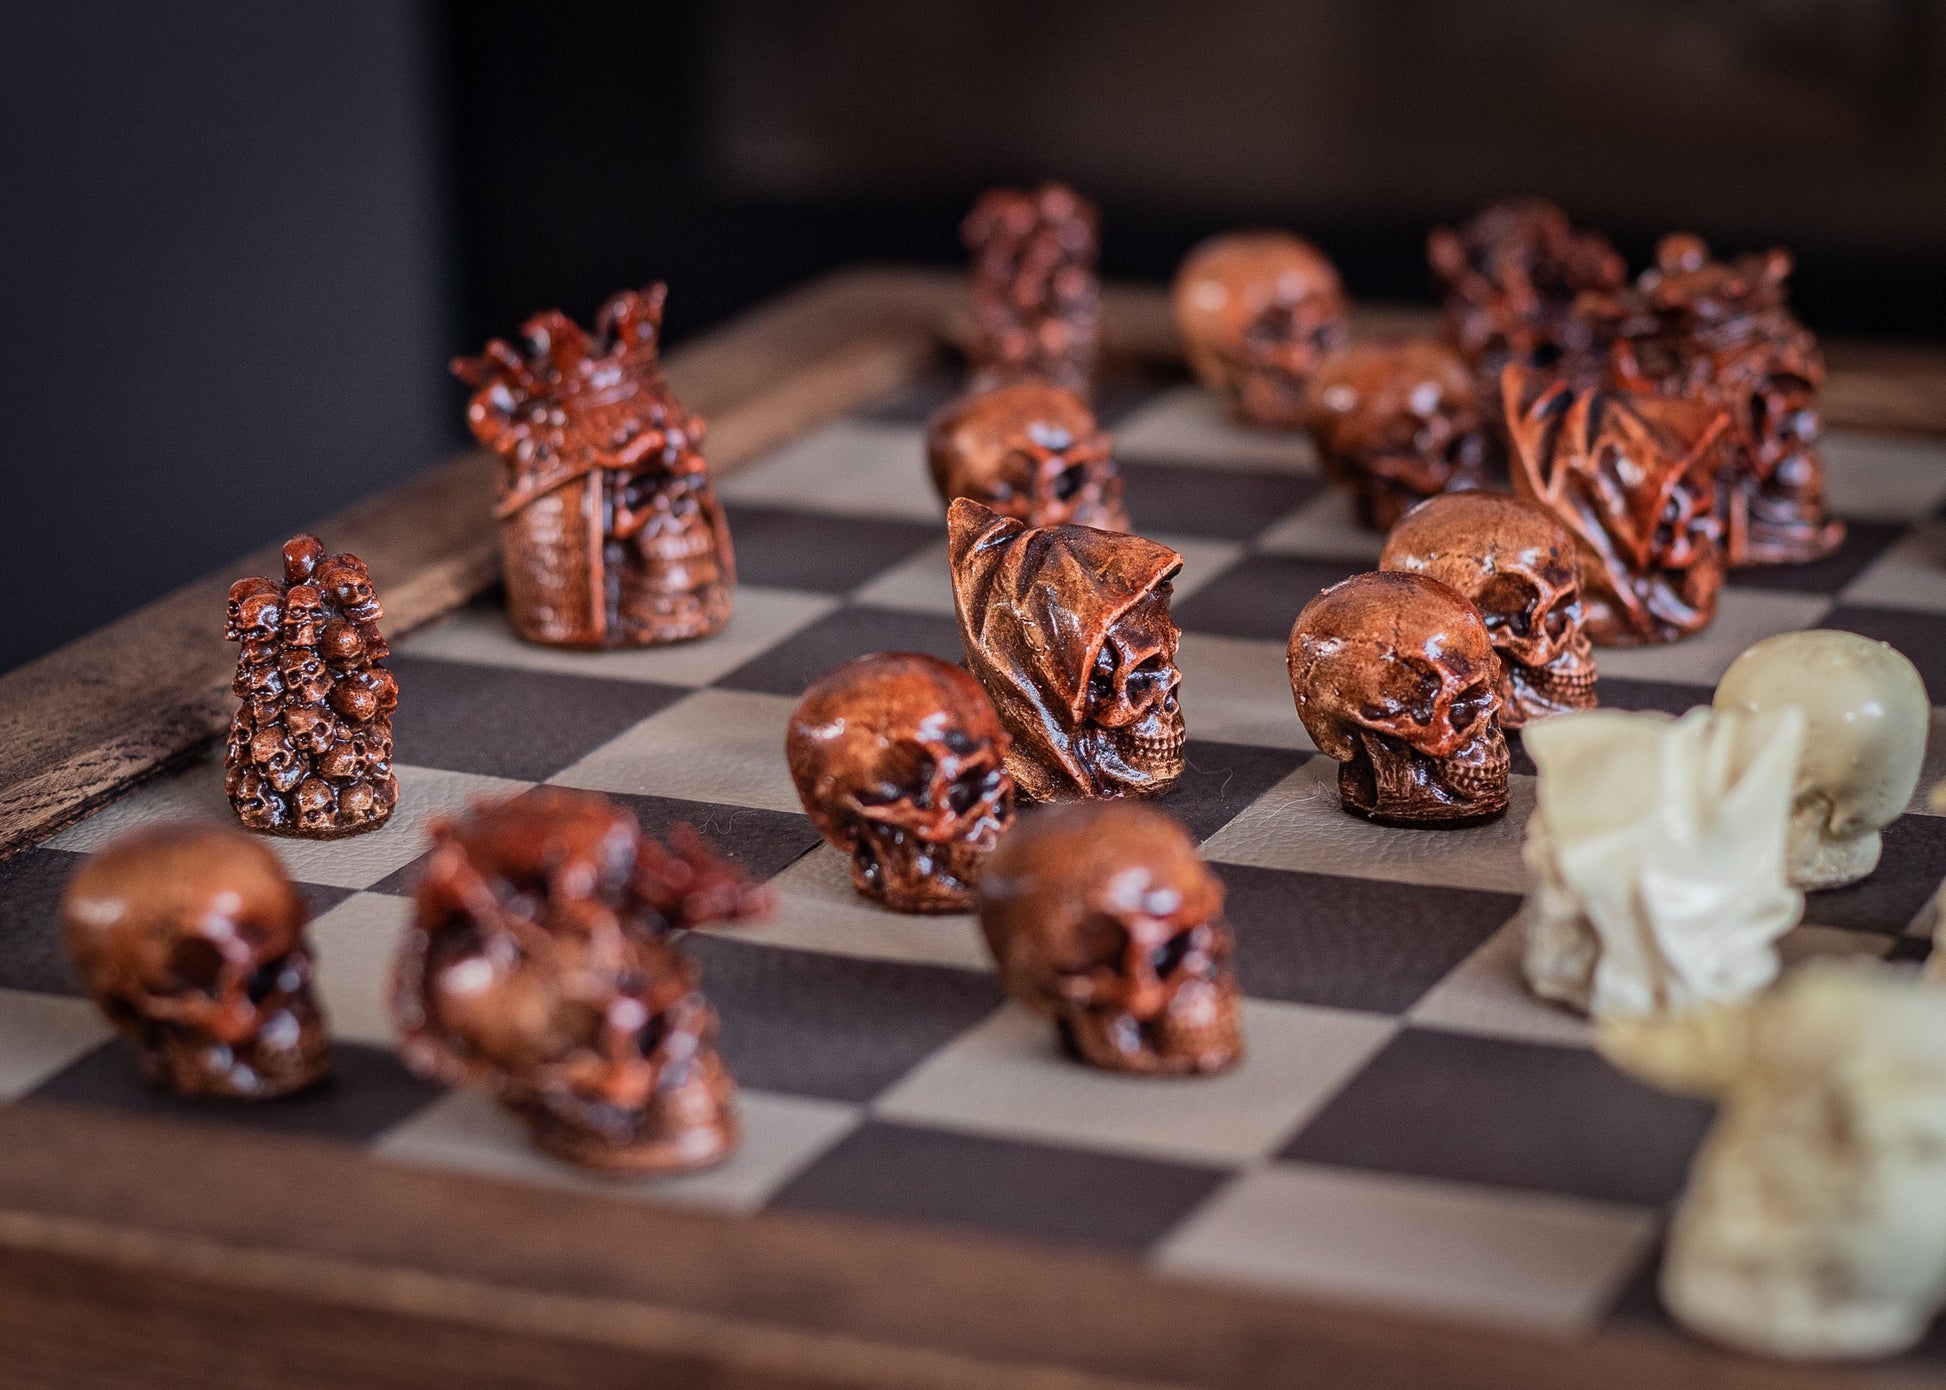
(1036, 295)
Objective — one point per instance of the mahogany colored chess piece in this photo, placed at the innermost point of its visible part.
(539, 964)
(1068, 628)
(1036, 293)
(1397, 422)
(1634, 477)
(900, 760)
(610, 533)
(1028, 450)
(191, 939)
(1257, 312)
(1395, 677)
(1520, 567)
(1103, 917)
(1723, 332)
(309, 752)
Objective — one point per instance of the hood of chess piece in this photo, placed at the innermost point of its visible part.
(191, 939)
(1028, 450)
(1102, 917)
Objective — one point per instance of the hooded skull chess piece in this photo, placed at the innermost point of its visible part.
(1518, 566)
(1656, 858)
(539, 964)
(1030, 451)
(610, 532)
(1814, 1224)
(191, 939)
(1510, 279)
(1635, 479)
(309, 751)
(1723, 332)
(1035, 292)
(1068, 628)
(1257, 312)
(1394, 676)
(1397, 422)
(1866, 716)
(1103, 917)
(900, 761)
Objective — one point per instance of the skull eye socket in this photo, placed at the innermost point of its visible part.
(1471, 705)
(905, 773)
(269, 978)
(1555, 621)
(196, 966)
(1069, 482)
(1168, 958)
(1507, 602)
(1099, 940)
(970, 788)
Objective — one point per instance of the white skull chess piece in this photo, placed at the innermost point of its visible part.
(1866, 715)
(1656, 856)
(1815, 1220)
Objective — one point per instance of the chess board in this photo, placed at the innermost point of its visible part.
(1410, 1130)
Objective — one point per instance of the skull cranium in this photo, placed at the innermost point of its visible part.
(1257, 312)
(1028, 450)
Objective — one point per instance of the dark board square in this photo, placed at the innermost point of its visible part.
(1073, 1196)
(1115, 399)
(503, 722)
(1509, 1114)
(1910, 870)
(1617, 692)
(1920, 636)
(367, 1093)
(1352, 943)
(827, 554)
(1865, 541)
(854, 630)
(763, 842)
(1232, 504)
(1220, 779)
(1260, 596)
(839, 1027)
(32, 955)
(1910, 950)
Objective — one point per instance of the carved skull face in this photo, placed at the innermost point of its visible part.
(260, 625)
(306, 679)
(191, 939)
(280, 764)
(303, 616)
(344, 579)
(1103, 917)
(680, 573)
(1030, 451)
(311, 728)
(900, 760)
(364, 695)
(1394, 677)
(242, 592)
(1397, 422)
(1518, 566)
(1257, 312)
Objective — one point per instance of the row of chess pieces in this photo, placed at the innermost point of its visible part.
(1668, 856)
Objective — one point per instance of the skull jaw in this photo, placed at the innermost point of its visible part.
(289, 1052)
(894, 866)
(1818, 858)
(368, 817)
(1388, 782)
(1143, 760)
(1562, 686)
(685, 1128)
(1196, 1034)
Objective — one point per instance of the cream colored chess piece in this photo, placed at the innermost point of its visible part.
(1866, 714)
(1656, 854)
(1815, 1220)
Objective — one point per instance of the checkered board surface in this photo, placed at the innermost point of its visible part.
(1410, 1129)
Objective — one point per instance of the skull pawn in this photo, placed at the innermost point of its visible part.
(1028, 450)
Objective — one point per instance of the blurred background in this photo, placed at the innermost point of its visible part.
(242, 240)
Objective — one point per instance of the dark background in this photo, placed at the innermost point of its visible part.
(241, 240)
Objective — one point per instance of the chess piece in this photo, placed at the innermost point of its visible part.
(900, 761)
(538, 963)
(1396, 423)
(1723, 332)
(1518, 566)
(1068, 628)
(1257, 312)
(191, 939)
(1030, 451)
(309, 752)
(1036, 294)
(1635, 479)
(1814, 1224)
(1866, 716)
(1510, 278)
(610, 532)
(1394, 677)
(1656, 858)
(1103, 917)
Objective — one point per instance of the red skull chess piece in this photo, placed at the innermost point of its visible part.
(1520, 567)
(539, 964)
(1036, 294)
(1103, 917)
(1068, 628)
(900, 761)
(191, 939)
(1257, 312)
(309, 751)
(1030, 451)
(1395, 677)
(610, 533)
(1397, 422)
(1634, 478)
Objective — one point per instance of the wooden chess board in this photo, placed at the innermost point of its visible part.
(1420, 1175)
